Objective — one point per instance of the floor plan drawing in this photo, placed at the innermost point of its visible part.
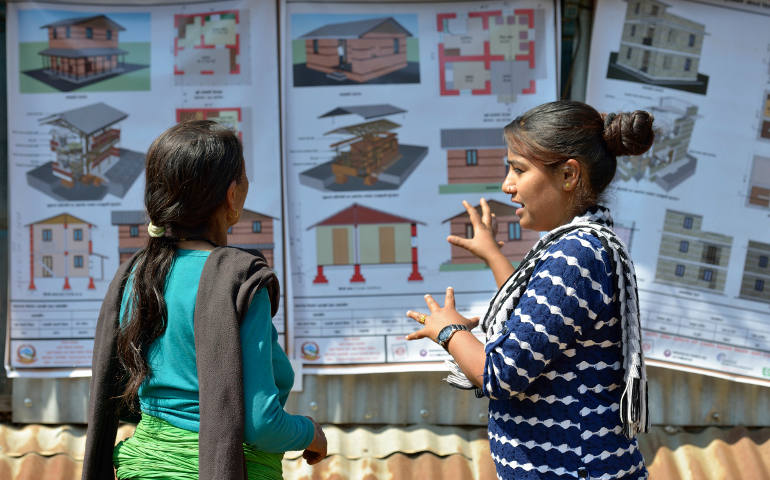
(491, 53)
(209, 48)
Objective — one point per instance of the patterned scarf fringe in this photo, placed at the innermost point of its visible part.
(597, 222)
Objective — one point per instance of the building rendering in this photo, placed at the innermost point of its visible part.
(755, 284)
(360, 235)
(368, 154)
(659, 46)
(61, 247)
(667, 162)
(81, 49)
(764, 121)
(691, 257)
(359, 50)
(516, 241)
(759, 183)
(253, 231)
(476, 159)
(89, 163)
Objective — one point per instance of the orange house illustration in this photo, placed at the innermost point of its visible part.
(516, 241)
(61, 247)
(253, 231)
(476, 159)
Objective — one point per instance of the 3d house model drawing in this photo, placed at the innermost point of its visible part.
(691, 257)
(359, 50)
(759, 183)
(361, 235)
(755, 284)
(492, 52)
(476, 159)
(667, 163)
(374, 161)
(764, 121)
(253, 231)
(82, 51)
(659, 47)
(89, 164)
(516, 242)
(61, 247)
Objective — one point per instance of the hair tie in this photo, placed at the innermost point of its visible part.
(155, 231)
(608, 119)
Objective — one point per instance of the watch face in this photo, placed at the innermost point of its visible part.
(444, 334)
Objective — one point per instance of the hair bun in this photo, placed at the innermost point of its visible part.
(628, 133)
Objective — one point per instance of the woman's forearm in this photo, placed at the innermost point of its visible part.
(469, 354)
(501, 267)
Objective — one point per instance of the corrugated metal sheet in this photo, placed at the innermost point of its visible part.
(450, 453)
(676, 398)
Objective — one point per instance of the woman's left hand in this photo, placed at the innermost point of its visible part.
(439, 317)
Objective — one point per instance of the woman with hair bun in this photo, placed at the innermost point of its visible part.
(562, 364)
(185, 336)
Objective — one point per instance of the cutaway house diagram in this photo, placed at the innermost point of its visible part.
(253, 231)
(208, 47)
(764, 121)
(691, 257)
(759, 183)
(61, 247)
(667, 163)
(368, 156)
(476, 159)
(360, 50)
(82, 51)
(659, 47)
(515, 241)
(89, 163)
(492, 52)
(360, 235)
(755, 284)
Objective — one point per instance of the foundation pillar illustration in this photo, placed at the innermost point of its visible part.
(357, 277)
(319, 277)
(415, 275)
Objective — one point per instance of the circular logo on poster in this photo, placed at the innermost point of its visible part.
(310, 351)
(26, 353)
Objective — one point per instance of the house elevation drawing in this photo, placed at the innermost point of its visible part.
(359, 235)
(759, 183)
(667, 163)
(755, 283)
(476, 159)
(89, 163)
(491, 52)
(660, 48)
(61, 247)
(369, 156)
(210, 48)
(690, 256)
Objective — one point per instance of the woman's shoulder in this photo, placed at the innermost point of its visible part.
(580, 248)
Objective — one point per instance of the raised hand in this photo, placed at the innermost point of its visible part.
(439, 317)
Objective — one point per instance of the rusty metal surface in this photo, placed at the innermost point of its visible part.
(36, 452)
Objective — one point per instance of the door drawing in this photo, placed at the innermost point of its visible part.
(387, 244)
(340, 253)
(47, 266)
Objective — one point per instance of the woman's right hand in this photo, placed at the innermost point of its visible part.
(316, 451)
(483, 243)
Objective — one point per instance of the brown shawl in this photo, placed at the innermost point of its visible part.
(230, 279)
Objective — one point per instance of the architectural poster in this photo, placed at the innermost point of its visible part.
(379, 158)
(699, 200)
(89, 88)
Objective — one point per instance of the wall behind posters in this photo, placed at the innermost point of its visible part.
(380, 398)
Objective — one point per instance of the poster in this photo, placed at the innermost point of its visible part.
(698, 203)
(393, 116)
(89, 88)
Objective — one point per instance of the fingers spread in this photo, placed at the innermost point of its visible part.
(449, 299)
(432, 304)
(486, 216)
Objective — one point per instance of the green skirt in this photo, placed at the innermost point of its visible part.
(161, 451)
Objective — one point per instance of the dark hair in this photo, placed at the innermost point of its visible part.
(554, 132)
(188, 171)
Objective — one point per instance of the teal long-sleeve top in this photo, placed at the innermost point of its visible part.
(170, 392)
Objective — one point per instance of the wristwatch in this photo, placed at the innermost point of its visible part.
(446, 333)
